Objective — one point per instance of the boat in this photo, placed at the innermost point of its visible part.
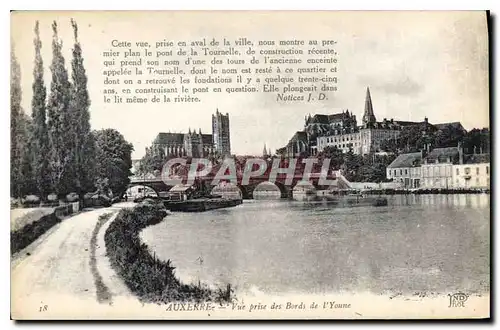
(187, 198)
(201, 204)
(349, 198)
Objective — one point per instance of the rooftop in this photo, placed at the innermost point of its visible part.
(327, 119)
(167, 138)
(443, 155)
(413, 159)
(299, 136)
(455, 124)
(178, 138)
(476, 158)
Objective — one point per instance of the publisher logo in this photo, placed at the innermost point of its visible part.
(457, 299)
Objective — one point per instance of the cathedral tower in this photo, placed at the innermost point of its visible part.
(368, 116)
(220, 133)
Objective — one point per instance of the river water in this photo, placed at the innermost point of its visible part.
(418, 243)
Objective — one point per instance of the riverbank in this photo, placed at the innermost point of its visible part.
(422, 191)
(147, 277)
(31, 225)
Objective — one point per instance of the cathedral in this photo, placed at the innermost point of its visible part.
(196, 144)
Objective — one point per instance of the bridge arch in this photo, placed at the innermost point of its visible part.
(270, 190)
(141, 189)
(227, 189)
(303, 190)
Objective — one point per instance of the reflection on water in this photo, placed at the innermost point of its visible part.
(267, 194)
(432, 243)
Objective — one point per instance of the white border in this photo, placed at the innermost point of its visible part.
(492, 5)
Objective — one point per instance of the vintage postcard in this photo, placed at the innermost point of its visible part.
(214, 165)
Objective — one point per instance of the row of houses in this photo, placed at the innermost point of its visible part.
(442, 168)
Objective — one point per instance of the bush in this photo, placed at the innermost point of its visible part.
(31, 200)
(52, 197)
(72, 197)
(14, 203)
(151, 279)
(23, 237)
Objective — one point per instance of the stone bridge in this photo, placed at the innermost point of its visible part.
(207, 182)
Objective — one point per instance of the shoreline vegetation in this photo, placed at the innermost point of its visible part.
(102, 291)
(149, 278)
(27, 234)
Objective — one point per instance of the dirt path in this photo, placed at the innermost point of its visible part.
(60, 264)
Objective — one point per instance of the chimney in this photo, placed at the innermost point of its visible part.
(424, 151)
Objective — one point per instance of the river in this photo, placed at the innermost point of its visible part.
(418, 243)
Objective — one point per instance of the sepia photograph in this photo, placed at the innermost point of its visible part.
(245, 165)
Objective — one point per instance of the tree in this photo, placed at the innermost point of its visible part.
(477, 141)
(389, 145)
(335, 155)
(16, 138)
(61, 134)
(21, 174)
(449, 136)
(28, 184)
(372, 173)
(153, 160)
(84, 144)
(40, 137)
(113, 159)
(352, 163)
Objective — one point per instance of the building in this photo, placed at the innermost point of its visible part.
(181, 192)
(196, 144)
(344, 142)
(266, 153)
(298, 145)
(406, 169)
(437, 167)
(441, 168)
(342, 131)
(373, 134)
(221, 134)
(346, 135)
(191, 144)
(473, 173)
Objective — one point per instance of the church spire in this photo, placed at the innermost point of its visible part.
(264, 152)
(368, 116)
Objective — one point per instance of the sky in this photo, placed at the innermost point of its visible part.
(417, 64)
